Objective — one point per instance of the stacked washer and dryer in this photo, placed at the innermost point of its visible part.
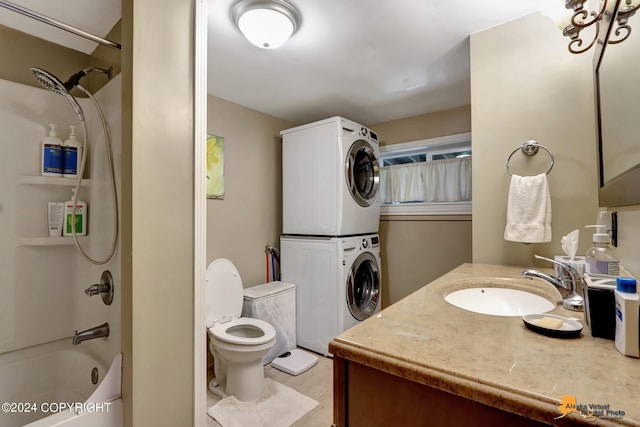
(330, 247)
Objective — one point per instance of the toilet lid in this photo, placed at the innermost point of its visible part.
(223, 292)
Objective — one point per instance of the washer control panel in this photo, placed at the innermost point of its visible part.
(369, 242)
(369, 134)
(353, 128)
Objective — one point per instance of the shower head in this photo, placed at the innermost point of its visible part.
(49, 81)
(74, 80)
(52, 83)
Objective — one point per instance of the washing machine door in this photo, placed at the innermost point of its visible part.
(363, 286)
(361, 168)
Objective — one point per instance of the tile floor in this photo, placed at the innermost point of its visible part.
(316, 383)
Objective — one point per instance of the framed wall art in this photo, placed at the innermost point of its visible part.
(215, 167)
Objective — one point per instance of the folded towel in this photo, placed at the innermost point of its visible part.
(528, 210)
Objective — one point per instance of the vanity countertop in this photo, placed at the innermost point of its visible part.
(495, 360)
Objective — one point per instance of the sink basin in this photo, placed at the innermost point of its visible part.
(499, 301)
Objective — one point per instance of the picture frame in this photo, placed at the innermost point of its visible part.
(215, 167)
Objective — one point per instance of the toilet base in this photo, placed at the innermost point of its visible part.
(244, 381)
(217, 389)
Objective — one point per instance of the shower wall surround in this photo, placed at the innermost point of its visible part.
(42, 279)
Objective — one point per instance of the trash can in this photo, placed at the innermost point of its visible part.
(275, 303)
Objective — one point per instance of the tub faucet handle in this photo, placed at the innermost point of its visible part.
(104, 288)
(97, 289)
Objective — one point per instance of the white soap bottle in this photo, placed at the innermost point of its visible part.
(600, 258)
(51, 154)
(72, 155)
(627, 316)
(81, 217)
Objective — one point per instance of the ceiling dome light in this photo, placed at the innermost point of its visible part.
(267, 24)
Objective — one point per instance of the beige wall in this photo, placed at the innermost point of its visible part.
(250, 215)
(526, 85)
(26, 51)
(105, 57)
(629, 238)
(416, 250)
(157, 213)
(20, 52)
(429, 125)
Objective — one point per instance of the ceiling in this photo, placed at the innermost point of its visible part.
(94, 16)
(370, 61)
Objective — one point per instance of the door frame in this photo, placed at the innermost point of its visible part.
(200, 215)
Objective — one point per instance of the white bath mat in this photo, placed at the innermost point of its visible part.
(278, 406)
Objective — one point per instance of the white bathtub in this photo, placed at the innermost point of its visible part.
(51, 385)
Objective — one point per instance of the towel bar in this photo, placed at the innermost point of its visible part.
(530, 148)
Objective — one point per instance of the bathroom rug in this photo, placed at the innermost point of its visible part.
(279, 406)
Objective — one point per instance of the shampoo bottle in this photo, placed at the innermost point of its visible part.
(627, 317)
(72, 155)
(600, 257)
(80, 217)
(51, 154)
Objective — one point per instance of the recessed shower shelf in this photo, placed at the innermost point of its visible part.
(47, 180)
(47, 241)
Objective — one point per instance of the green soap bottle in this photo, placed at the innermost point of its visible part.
(80, 217)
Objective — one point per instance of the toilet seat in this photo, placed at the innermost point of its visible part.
(222, 331)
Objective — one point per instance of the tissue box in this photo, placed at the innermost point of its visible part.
(600, 305)
(579, 263)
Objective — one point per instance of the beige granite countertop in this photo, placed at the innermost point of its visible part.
(492, 359)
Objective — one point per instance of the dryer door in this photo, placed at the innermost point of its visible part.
(361, 170)
(363, 286)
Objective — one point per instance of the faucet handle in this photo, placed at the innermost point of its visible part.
(558, 263)
(568, 272)
(565, 268)
(104, 288)
(97, 289)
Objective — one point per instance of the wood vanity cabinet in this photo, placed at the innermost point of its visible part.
(367, 397)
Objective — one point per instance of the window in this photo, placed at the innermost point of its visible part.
(427, 177)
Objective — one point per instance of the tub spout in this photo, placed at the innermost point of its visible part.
(91, 333)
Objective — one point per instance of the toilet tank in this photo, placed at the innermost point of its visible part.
(275, 303)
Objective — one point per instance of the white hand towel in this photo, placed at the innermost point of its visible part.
(528, 210)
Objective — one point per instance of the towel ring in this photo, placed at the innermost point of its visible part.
(530, 148)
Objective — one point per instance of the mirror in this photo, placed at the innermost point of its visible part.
(616, 66)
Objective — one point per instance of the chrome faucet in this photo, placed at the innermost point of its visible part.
(97, 289)
(91, 333)
(104, 288)
(568, 283)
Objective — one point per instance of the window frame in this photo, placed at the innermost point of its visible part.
(426, 208)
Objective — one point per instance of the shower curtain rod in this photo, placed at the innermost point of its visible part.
(42, 18)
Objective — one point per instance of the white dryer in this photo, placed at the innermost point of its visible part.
(338, 284)
(330, 179)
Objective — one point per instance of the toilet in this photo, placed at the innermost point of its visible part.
(236, 343)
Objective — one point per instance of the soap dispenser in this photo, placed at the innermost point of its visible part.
(72, 155)
(51, 154)
(600, 258)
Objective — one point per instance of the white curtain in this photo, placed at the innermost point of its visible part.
(447, 180)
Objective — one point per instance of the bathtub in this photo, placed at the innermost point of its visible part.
(52, 385)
